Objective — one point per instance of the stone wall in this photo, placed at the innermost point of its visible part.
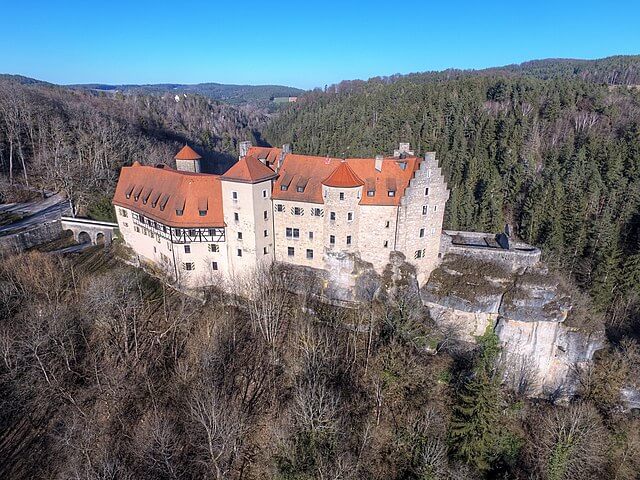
(519, 255)
(36, 235)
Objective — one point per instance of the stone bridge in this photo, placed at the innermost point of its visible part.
(90, 231)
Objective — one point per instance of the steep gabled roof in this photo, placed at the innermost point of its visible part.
(248, 170)
(187, 153)
(176, 199)
(343, 177)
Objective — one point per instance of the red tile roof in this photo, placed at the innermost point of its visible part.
(161, 193)
(343, 177)
(187, 153)
(249, 170)
(395, 175)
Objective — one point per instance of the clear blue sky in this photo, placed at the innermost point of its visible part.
(304, 44)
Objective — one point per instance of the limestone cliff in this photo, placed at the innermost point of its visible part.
(545, 335)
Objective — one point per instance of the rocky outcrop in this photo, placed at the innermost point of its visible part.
(528, 310)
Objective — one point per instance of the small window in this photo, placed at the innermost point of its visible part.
(234, 195)
(202, 213)
(236, 216)
(239, 252)
(317, 212)
(310, 235)
(179, 212)
(296, 233)
(418, 254)
(214, 265)
(341, 195)
(264, 194)
(386, 244)
(125, 224)
(291, 251)
(187, 249)
(348, 239)
(300, 189)
(154, 249)
(266, 233)
(289, 232)
(391, 193)
(309, 254)
(332, 216)
(421, 232)
(297, 211)
(426, 191)
(265, 214)
(193, 233)
(386, 224)
(425, 209)
(239, 235)
(189, 266)
(350, 216)
(371, 193)
(265, 250)
(435, 208)
(332, 239)
(284, 187)
(279, 207)
(213, 247)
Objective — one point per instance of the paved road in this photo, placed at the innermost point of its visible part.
(35, 212)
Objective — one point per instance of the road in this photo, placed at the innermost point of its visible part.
(35, 212)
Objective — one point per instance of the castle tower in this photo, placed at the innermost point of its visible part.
(187, 160)
(248, 214)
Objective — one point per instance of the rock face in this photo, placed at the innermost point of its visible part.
(527, 309)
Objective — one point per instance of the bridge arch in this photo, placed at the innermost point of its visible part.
(83, 237)
(90, 231)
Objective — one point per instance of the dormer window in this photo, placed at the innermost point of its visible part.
(284, 187)
(202, 213)
(299, 189)
(391, 193)
(179, 212)
(371, 193)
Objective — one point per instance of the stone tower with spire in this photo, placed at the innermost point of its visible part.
(187, 160)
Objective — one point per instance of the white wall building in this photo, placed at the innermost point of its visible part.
(273, 205)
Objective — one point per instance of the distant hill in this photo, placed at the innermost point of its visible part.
(616, 70)
(234, 94)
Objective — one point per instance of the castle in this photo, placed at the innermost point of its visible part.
(277, 206)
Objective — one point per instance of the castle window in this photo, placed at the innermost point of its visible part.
(189, 266)
(425, 209)
(332, 239)
(332, 216)
(426, 191)
(386, 224)
(289, 232)
(213, 247)
(350, 216)
(214, 265)
(236, 216)
(123, 212)
(279, 207)
(317, 212)
(187, 249)
(386, 244)
(239, 235)
(266, 233)
(310, 235)
(435, 208)
(297, 211)
(239, 252)
(264, 194)
(291, 251)
(421, 232)
(348, 239)
(265, 215)
(309, 254)
(265, 250)
(125, 224)
(418, 254)
(371, 193)
(391, 193)
(341, 195)
(234, 196)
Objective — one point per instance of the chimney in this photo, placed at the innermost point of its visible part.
(244, 148)
(286, 148)
(379, 163)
